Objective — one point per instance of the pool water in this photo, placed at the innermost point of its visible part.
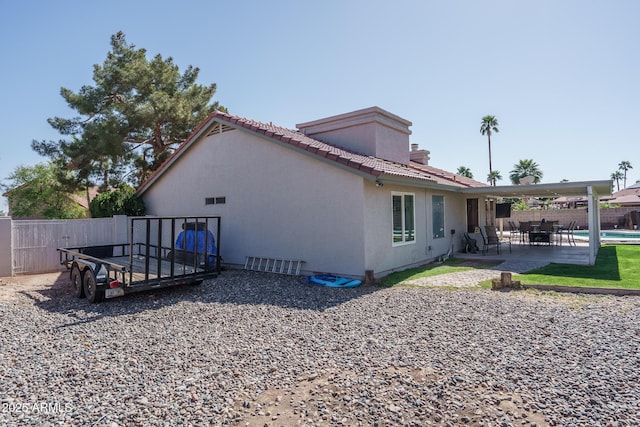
(611, 234)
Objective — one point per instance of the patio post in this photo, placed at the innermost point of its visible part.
(594, 223)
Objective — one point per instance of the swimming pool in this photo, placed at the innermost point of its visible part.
(611, 235)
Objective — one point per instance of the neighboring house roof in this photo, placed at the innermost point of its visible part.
(369, 165)
(79, 198)
(568, 199)
(629, 196)
(626, 200)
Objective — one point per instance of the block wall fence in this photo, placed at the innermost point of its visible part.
(609, 217)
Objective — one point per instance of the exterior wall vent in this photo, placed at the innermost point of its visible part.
(215, 200)
(219, 128)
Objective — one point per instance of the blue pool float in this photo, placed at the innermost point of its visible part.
(334, 281)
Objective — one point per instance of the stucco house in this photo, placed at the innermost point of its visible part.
(347, 194)
(629, 196)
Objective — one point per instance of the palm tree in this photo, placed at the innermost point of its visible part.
(617, 176)
(488, 125)
(465, 171)
(493, 177)
(524, 168)
(625, 166)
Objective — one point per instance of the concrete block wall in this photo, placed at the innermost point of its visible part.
(614, 216)
(608, 216)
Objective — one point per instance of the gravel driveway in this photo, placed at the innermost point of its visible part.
(258, 349)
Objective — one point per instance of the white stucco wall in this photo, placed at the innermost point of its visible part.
(279, 203)
(382, 256)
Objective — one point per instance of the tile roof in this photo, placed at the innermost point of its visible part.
(448, 178)
(367, 164)
(627, 196)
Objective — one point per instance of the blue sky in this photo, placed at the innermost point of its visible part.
(562, 77)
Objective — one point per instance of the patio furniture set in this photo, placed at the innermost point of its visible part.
(531, 232)
(540, 232)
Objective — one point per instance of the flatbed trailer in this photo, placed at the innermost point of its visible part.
(161, 252)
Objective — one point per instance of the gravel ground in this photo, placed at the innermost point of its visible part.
(265, 350)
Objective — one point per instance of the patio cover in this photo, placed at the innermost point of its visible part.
(601, 188)
(592, 190)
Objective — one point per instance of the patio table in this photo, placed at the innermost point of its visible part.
(539, 236)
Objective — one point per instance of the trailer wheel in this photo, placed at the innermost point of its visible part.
(91, 290)
(196, 283)
(76, 282)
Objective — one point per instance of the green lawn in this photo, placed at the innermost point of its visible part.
(449, 266)
(617, 266)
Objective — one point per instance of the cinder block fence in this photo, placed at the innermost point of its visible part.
(609, 217)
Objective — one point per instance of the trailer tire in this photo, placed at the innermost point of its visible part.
(76, 281)
(91, 290)
(196, 283)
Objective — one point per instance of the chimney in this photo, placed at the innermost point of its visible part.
(371, 131)
(419, 156)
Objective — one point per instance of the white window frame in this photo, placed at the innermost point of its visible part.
(404, 235)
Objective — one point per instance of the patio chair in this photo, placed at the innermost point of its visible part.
(514, 231)
(488, 242)
(525, 229)
(569, 233)
(557, 232)
(491, 238)
(546, 232)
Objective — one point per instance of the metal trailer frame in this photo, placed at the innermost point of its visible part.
(109, 271)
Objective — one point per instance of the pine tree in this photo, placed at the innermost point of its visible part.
(134, 116)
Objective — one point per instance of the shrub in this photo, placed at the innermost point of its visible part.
(121, 201)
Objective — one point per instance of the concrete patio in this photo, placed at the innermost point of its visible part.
(563, 254)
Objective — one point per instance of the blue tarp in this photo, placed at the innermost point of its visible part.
(187, 242)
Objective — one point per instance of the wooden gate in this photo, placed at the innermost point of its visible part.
(35, 242)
